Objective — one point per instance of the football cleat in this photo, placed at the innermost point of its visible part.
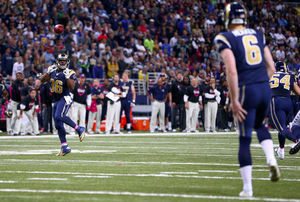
(295, 149)
(64, 150)
(81, 132)
(274, 173)
(246, 194)
(280, 153)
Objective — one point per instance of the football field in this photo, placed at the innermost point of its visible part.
(145, 167)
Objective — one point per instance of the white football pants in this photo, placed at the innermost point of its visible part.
(79, 109)
(14, 119)
(192, 116)
(210, 116)
(157, 107)
(32, 120)
(113, 116)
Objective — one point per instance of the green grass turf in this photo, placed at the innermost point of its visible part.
(202, 166)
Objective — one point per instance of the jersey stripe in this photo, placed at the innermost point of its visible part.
(223, 39)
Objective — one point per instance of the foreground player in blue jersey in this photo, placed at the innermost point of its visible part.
(249, 65)
(282, 83)
(62, 82)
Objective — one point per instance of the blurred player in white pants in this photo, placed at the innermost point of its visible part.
(212, 98)
(193, 102)
(82, 99)
(16, 88)
(95, 111)
(28, 107)
(114, 106)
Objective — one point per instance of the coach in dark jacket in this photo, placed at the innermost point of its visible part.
(178, 110)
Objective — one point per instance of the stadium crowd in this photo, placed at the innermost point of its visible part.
(105, 38)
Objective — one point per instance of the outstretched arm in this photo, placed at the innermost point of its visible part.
(46, 77)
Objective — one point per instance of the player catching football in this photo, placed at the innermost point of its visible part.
(249, 65)
(62, 82)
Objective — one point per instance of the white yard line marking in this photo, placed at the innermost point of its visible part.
(141, 194)
(48, 179)
(218, 171)
(177, 134)
(95, 176)
(138, 162)
(52, 151)
(7, 182)
(181, 176)
(180, 173)
(162, 174)
(127, 135)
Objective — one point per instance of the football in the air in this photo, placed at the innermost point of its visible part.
(59, 28)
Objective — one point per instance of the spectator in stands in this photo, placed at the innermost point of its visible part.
(17, 67)
(7, 63)
(98, 69)
(112, 67)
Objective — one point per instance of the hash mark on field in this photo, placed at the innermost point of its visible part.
(141, 194)
(95, 176)
(48, 179)
(52, 151)
(7, 182)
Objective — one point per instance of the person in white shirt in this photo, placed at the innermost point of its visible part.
(279, 37)
(17, 67)
(210, 21)
(280, 53)
(292, 40)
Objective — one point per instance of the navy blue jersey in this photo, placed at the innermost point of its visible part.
(159, 93)
(59, 86)
(81, 92)
(127, 86)
(282, 84)
(247, 46)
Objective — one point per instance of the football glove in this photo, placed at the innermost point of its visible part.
(68, 73)
(68, 99)
(51, 69)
